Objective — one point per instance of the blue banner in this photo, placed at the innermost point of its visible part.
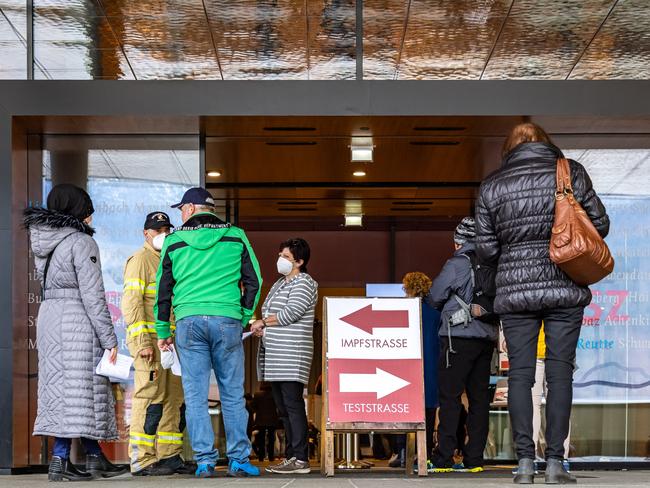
(613, 354)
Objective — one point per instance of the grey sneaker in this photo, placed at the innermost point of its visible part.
(272, 467)
(294, 467)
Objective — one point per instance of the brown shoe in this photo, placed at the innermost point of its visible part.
(271, 467)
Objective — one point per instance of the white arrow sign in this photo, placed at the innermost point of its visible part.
(381, 382)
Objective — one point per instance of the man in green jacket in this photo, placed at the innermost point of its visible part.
(210, 276)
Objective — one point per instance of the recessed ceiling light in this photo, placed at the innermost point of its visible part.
(361, 149)
(359, 173)
(214, 174)
(361, 154)
(353, 220)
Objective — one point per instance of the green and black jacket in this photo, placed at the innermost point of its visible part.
(207, 268)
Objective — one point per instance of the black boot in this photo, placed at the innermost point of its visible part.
(178, 466)
(156, 469)
(62, 469)
(556, 474)
(99, 466)
(525, 472)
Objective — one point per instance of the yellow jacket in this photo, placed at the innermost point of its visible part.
(541, 344)
(138, 299)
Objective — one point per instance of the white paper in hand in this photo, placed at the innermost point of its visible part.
(120, 370)
(176, 365)
(166, 359)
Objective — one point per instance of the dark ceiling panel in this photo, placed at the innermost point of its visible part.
(376, 126)
(383, 34)
(367, 207)
(252, 159)
(543, 39)
(450, 40)
(621, 50)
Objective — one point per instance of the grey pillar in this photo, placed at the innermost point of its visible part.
(6, 325)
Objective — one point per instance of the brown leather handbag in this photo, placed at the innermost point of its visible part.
(576, 245)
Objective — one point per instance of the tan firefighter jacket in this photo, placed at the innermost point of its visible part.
(138, 298)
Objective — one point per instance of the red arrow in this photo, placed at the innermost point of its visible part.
(367, 319)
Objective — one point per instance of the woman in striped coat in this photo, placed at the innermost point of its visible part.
(287, 347)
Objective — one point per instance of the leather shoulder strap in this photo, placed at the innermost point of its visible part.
(563, 176)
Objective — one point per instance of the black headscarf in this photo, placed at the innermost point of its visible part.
(70, 200)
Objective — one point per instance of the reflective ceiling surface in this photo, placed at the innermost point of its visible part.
(13, 34)
(316, 39)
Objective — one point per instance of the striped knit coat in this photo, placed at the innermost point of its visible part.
(286, 350)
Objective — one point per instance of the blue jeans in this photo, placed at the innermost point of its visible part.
(62, 447)
(204, 343)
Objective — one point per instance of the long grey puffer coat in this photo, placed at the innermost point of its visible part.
(74, 328)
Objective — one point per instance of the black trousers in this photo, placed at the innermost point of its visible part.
(291, 410)
(265, 442)
(469, 371)
(562, 330)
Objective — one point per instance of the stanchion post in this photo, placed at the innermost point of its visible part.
(327, 464)
(410, 453)
(422, 452)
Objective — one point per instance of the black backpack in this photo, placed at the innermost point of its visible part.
(484, 286)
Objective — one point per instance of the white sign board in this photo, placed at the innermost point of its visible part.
(373, 328)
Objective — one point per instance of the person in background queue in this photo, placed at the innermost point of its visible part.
(157, 407)
(74, 330)
(210, 276)
(467, 345)
(266, 421)
(418, 284)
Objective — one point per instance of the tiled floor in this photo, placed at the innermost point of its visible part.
(368, 479)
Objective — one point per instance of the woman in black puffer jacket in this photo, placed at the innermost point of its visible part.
(514, 216)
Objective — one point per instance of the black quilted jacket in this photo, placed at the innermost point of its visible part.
(514, 216)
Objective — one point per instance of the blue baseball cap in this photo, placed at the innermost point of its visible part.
(196, 196)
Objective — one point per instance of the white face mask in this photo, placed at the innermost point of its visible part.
(284, 266)
(158, 241)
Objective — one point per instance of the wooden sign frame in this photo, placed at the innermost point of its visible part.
(415, 431)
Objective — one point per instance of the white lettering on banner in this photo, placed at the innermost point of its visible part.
(373, 343)
(376, 407)
(374, 329)
(34, 298)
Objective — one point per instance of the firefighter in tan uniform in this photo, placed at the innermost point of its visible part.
(157, 408)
